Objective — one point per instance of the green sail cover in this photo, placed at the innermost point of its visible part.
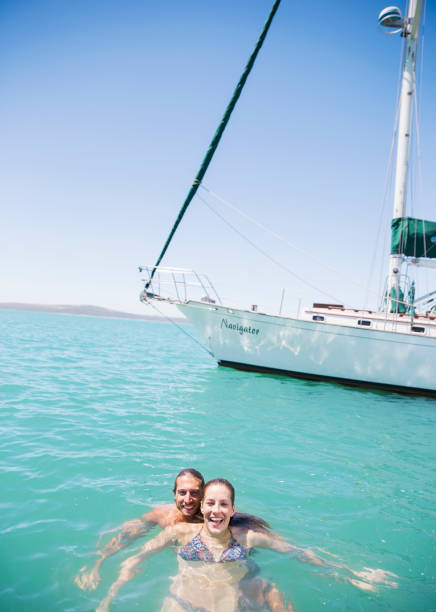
(413, 237)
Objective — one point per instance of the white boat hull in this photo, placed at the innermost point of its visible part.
(316, 350)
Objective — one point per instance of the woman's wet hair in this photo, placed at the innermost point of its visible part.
(224, 482)
(195, 473)
(249, 521)
(240, 519)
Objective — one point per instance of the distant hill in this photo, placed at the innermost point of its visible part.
(85, 310)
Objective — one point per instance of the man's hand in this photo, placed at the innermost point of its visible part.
(87, 581)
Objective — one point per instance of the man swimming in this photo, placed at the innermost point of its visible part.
(188, 493)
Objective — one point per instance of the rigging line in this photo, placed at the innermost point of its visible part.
(217, 137)
(180, 328)
(388, 188)
(302, 280)
(418, 103)
(389, 175)
(421, 62)
(419, 186)
(414, 34)
(278, 237)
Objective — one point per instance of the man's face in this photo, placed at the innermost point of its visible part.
(188, 495)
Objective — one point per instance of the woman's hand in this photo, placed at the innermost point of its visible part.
(377, 575)
(363, 586)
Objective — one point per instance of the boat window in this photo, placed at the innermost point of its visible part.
(420, 330)
(364, 322)
(317, 318)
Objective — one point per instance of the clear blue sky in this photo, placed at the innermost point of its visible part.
(107, 109)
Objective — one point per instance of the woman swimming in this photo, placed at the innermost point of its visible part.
(214, 559)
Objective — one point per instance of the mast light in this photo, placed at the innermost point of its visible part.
(390, 17)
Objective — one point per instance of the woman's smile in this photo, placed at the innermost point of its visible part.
(217, 508)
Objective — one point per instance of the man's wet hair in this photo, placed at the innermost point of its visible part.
(195, 473)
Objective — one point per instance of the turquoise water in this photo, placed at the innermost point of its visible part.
(98, 415)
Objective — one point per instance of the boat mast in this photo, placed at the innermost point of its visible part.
(409, 29)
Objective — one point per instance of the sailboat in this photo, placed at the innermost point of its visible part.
(393, 348)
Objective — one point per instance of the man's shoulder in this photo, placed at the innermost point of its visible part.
(168, 515)
(162, 515)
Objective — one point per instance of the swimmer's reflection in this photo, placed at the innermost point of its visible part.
(213, 559)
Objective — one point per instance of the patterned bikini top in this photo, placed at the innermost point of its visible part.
(195, 550)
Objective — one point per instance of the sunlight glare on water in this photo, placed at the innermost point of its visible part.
(99, 415)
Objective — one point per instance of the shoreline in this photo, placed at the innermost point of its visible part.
(83, 310)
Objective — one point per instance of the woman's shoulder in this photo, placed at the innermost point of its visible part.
(251, 538)
(241, 535)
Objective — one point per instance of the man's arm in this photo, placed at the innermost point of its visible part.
(161, 515)
(130, 531)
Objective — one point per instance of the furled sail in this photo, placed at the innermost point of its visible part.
(413, 237)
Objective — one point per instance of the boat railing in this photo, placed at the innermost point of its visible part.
(405, 300)
(177, 285)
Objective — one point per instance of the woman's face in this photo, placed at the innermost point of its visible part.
(217, 508)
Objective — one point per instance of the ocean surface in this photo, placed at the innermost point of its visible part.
(98, 415)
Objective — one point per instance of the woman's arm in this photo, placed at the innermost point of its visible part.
(129, 567)
(130, 531)
(275, 542)
(279, 544)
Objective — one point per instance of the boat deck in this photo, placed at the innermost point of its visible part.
(380, 321)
